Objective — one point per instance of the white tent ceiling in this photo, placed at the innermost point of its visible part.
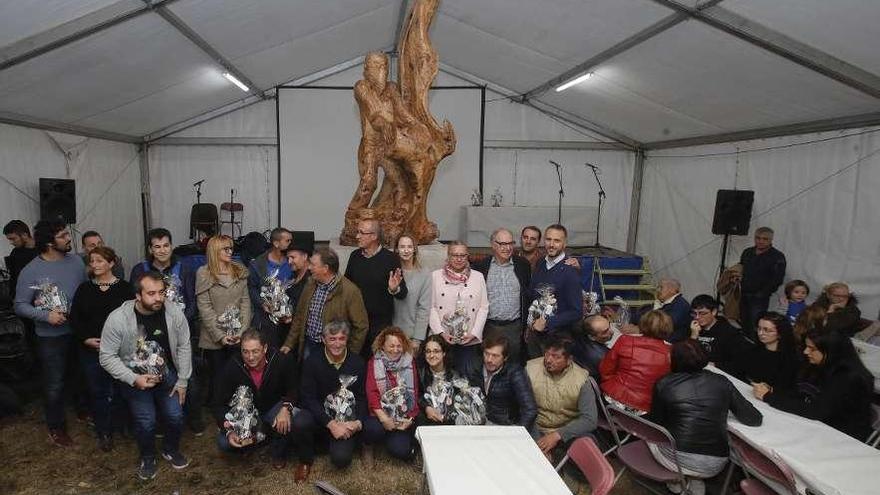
(663, 70)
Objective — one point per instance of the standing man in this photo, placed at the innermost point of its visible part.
(563, 280)
(148, 318)
(763, 273)
(327, 296)
(23, 251)
(376, 272)
(566, 401)
(56, 274)
(272, 261)
(298, 258)
(162, 260)
(91, 240)
(530, 249)
(507, 286)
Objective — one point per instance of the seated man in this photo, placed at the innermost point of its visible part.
(509, 397)
(271, 377)
(670, 301)
(566, 401)
(718, 337)
(320, 378)
(601, 336)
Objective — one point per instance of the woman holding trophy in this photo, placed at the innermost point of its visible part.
(392, 388)
(459, 306)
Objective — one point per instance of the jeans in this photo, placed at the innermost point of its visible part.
(106, 406)
(54, 355)
(465, 357)
(398, 443)
(307, 433)
(277, 442)
(144, 405)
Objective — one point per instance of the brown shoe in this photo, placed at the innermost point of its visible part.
(302, 472)
(60, 438)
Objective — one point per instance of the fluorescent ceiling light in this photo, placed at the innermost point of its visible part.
(241, 85)
(574, 81)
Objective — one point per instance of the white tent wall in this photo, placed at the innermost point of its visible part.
(524, 175)
(250, 170)
(107, 178)
(818, 192)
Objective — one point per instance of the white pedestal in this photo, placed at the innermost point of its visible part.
(431, 256)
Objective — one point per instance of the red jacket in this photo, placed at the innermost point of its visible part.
(374, 398)
(631, 368)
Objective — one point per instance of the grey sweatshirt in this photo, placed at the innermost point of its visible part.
(411, 313)
(67, 273)
(119, 339)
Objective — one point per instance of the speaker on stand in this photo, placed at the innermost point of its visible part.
(733, 214)
(58, 200)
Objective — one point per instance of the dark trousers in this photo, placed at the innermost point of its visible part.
(214, 360)
(310, 346)
(107, 407)
(278, 443)
(398, 443)
(144, 405)
(377, 324)
(308, 435)
(465, 357)
(750, 306)
(512, 330)
(55, 352)
(192, 407)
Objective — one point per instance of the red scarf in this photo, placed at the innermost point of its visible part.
(454, 277)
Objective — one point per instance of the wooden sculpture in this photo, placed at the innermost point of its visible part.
(400, 136)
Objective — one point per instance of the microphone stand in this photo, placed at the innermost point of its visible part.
(198, 186)
(561, 192)
(601, 199)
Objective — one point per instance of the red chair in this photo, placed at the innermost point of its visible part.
(592, 463)
(636, 455)
(768, 470)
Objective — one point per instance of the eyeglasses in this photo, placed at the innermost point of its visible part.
(700, 313)
(226, 249)
(365, 232)
(505, 244)
(433, 351)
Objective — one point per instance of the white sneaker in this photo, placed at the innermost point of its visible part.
(696, 486)
(674, 487)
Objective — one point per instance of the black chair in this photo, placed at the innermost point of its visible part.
(204, 218)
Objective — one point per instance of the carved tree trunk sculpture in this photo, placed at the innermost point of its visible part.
(400, 136)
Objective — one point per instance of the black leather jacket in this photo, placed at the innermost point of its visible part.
(510, 400)
(694, 406)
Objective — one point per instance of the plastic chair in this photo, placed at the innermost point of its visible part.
(874, 438)
(637, 456)
(203, 218)
(771, 474)
(233, 209)
(592, 463)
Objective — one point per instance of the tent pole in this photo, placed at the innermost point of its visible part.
(635, 204)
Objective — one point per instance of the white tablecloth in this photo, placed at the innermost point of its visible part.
(486, 460)
(818, 455)
(480, 221)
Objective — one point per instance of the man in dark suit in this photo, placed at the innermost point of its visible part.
(507, 283)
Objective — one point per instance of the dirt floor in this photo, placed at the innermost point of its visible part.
(32, 466)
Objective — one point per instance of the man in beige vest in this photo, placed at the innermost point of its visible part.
(566, 402)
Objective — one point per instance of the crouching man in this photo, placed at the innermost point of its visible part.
(271, 378)
(138, 339)
(566, 402)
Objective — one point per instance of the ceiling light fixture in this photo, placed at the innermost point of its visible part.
(234, 80)
(574, 81)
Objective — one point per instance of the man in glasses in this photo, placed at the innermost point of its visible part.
(721, 340)
(507, 282)
(376, 272)
(44, 294)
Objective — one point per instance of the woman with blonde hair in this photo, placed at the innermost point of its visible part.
(221, 287)
(391, 366)
(412, 312)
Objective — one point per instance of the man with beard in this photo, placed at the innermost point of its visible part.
(44, 293)
(23, 250)
(149, 321)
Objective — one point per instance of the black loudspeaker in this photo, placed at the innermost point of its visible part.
(733, 212)
(58, 199)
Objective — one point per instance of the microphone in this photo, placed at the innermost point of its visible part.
(554, 163)
(198, 183)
